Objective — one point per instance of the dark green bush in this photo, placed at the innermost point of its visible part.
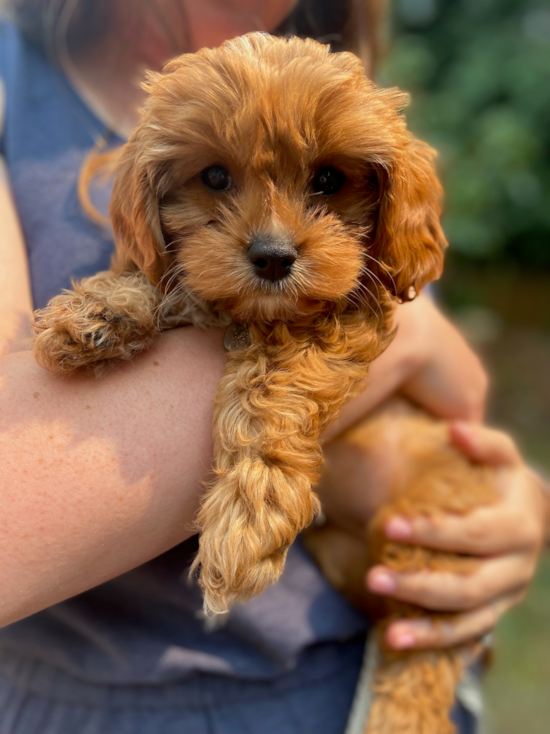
(479, 75)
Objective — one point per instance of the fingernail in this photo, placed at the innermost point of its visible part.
(461, 424)
(382, 582)
(403, 640)
(398, 528)
(462, 428)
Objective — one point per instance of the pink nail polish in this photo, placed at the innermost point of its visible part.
(398, 528)
(382, 583)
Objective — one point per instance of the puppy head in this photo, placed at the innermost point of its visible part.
(271, 177)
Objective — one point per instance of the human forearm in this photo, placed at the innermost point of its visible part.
(450, 381)
(97, 477)
(429, 362)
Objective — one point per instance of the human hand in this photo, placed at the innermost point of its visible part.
(506, 538)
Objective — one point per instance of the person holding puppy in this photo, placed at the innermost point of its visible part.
(99, 478)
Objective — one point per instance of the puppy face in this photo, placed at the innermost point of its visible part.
(272, 177)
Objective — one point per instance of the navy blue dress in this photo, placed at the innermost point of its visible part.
(136, 655)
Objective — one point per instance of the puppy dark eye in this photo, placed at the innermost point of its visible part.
(328, 181)
(216, 178)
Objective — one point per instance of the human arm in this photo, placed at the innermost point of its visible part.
(97, 477)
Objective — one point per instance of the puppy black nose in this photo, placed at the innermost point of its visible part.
(272, 257)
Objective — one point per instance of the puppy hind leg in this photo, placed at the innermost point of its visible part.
(414, 693)
(416, 689)
(103, 321)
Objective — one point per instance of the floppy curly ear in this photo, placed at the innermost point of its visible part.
(409, 242)
(134, 213)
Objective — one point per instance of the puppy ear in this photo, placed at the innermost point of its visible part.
(409, 242)
(134, 213)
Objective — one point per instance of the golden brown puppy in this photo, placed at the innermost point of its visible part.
(269, 183)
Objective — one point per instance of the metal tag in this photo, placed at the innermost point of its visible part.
(236, 337)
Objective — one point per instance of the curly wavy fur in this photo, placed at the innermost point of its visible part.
(272, 113)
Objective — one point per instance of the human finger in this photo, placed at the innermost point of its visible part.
(452, 592)
(424, 632)
(484, 445)
(487, 531)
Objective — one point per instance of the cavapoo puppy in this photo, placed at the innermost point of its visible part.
(272, 189)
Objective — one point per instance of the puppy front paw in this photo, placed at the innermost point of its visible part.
(93, 328)
(235, 579)
(249, 519)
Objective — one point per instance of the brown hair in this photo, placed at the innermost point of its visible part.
(347, 25)
(60, 26)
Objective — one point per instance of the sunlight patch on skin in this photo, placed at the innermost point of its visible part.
(47, 440)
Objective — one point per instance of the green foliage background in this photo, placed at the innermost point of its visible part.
(479, 75)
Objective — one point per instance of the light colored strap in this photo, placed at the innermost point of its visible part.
(362, 700)
(468, 692)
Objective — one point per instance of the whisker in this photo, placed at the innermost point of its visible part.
(366, 296)
(383, 268)
(366, 271)
(173, 277)
(174, 268)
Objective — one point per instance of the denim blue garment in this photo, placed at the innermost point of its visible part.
(147, 627)
(136, 655)
(313, 699)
